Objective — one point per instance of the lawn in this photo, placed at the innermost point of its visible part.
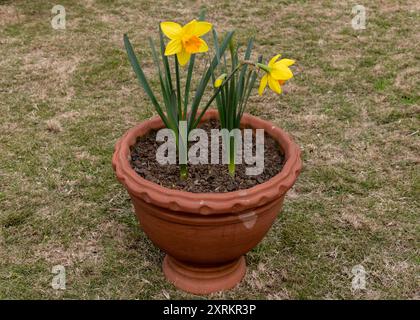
(66, 96)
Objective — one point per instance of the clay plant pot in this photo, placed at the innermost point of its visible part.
(206, 235)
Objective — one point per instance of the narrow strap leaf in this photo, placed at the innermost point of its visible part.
(173, 110)
(142, 78)
(163, 84)
(202, 14)
(165, 61)
(188, 84)
(178, 88)
(219, 103)
(203, 83)
(154, 54)
(250, 87)
(241, 84)
(166, 93)
(216, 45)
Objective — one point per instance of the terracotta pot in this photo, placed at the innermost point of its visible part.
(206, 235)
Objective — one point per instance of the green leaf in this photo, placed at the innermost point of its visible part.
(178, 88)
(202, 14)
(165, 61)
(249, 89)
(216, 45)
(173, 110)
(154, 55)
(219, 103)
(241, 82)
(188, 84)
(203, 83)
(163, 84)
(142, 78)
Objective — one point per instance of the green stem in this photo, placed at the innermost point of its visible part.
(183, 170)
(232, 157)
(178, 89)
(232, 169)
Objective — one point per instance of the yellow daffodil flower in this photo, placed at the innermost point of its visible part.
(277, 73)
(220, 80)
(185, 40)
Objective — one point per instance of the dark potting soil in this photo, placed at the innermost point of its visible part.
(203, 177)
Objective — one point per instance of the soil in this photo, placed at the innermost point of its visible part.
(203, 177)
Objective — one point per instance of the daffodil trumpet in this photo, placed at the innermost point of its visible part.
(277, 73)
(185, 41)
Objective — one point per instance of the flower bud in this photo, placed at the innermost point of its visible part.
(220, 80)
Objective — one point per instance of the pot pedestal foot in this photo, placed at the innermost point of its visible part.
(203, 279)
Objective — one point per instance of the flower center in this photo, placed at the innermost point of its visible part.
(191, 43)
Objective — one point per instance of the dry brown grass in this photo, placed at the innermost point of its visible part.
(353, 107)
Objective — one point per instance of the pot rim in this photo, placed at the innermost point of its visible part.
(208, 203)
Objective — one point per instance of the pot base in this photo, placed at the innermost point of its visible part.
(203, 279)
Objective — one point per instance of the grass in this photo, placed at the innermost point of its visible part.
(67, 95)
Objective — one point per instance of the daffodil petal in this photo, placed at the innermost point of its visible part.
(201, 28)
(173, 47)
(280, 72)
(203, 46)
(183, 57)
(274, 85)
(263, 84)
(287, 62)
(273, 60)
(189, 27)
(171, 29)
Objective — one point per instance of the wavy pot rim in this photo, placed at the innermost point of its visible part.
(207, 203)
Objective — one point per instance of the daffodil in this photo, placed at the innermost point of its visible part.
(185, 40)
(277, 73)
